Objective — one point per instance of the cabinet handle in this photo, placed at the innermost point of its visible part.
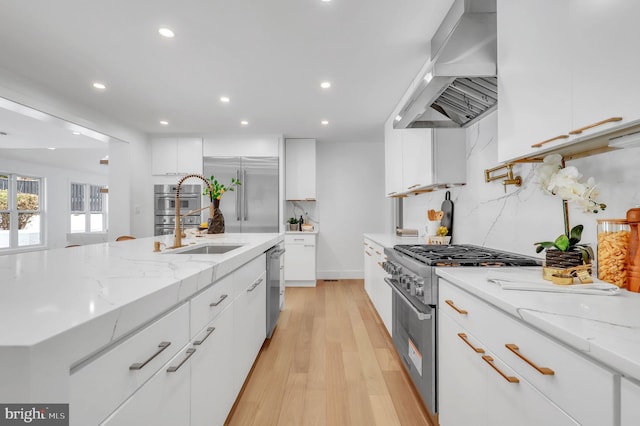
(455, 308)
(380, 265)
(466, 340)
(391, 193)
(309, 245)
(254, 285)
(173, 369)
(378, 253)
(414, 186)
(209, 331)
(368, 254)
(539, 144)
(298, 239)
(509, 379)
(599, 123)
(516, 350)
(140, 365)
(219, 301)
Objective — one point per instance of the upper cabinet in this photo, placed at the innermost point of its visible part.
(576, 73)
(300, 169)
(419, 160)
(171, 156)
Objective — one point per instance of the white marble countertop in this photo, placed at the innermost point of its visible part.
(390, 240)
(88, 296)
(605, 328)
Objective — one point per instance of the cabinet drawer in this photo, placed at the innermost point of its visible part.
(99, 386)
(300, 239)
(208, 304)
(249, 273)
(576, 384)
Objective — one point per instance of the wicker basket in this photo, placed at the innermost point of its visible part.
(563, 259)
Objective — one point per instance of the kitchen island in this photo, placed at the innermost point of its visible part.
(66, 312)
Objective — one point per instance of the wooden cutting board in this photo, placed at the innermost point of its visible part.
(447, 209)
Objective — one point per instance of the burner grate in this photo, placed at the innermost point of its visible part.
(464, 255)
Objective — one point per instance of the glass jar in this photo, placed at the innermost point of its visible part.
(613, 247)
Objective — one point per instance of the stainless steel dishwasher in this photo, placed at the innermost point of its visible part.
(275, 261)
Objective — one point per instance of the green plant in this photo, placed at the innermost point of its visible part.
(292, 220)
(216, 189)
(569, 242)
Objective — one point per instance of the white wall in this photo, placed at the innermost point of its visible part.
(351, 201)
(485, 215)
(56, 196)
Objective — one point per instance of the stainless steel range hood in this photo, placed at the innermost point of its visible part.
(458, 85)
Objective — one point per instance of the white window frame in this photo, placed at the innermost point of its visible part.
(12, 204)
(87, 208)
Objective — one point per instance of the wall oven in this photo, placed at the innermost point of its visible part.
(165, 207)
(413, 279)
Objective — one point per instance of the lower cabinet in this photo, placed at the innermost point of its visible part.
(630, 403)
(300, 260)
(378, 290)
(185, 368)
(497, 370)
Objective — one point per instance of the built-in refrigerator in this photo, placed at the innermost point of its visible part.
(253, 206)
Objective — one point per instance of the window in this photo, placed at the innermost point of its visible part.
(21, 218)
(88, 208)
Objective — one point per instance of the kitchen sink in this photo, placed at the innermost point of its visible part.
(211, 249)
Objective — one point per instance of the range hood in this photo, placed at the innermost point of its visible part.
(459, 84)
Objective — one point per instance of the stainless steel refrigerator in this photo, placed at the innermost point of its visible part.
(252, 206)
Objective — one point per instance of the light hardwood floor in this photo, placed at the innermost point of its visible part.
(330, 362)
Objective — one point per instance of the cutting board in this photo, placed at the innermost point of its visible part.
(447, 209)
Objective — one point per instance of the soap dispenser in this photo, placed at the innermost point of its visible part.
(300, 223)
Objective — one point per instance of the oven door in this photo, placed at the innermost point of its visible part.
(414, 336)
(166, 204)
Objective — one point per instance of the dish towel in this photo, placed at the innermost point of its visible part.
(531, 280)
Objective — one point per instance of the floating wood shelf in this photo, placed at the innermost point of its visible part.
(105, 162)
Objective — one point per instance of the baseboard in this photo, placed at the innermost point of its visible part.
(354, 274)
(306, 283)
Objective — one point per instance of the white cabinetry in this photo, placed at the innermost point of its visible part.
(378, 290)
(300, 169)
(555, 81)
(529, 379)
(422, 159)
(300, 260)
(630, 403)
(171, 156)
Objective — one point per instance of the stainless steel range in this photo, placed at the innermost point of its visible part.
(413, 279)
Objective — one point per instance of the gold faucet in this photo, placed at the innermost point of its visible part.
(177, 242)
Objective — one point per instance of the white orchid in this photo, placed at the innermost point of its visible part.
(565, 183)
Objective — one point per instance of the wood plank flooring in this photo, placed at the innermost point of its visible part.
(330, 362)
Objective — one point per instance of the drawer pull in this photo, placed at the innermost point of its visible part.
(466, 340)
(139, 365)
(254, 285)
(380, 265)
(380, 254)
(516, 350)
(173, 369)
(539, 144)
(209, 331)
(368, 254)
(509, 379)
(599, 123)
(222, 297)
(455, 308)
(414, 186)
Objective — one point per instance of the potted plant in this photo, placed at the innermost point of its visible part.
(215, 191)
(293, 224)
(566, 250)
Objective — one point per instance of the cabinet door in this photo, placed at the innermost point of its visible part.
(384, 297)
(604, 39)
(368, 269)
(417, 158)
(164, 152)
(629, 406)
(211, 377)
(462, 388)
(392, 160)
(300, 262)
(163, 400)
(189, 156)
(300, 169)
(534, 74)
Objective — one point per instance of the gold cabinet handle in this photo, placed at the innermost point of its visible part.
(414, 186)
(539, 144)
(509, 379)
(368, 254)
(140, 365)
(466, 340)
(455, 308)
(516, 350)
(378, 252)
(380, 265)
(599, 123)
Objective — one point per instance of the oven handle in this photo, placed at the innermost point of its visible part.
(420, 315)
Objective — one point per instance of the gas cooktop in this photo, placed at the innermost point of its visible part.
(463, 255)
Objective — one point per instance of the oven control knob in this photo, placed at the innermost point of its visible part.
(419, 290)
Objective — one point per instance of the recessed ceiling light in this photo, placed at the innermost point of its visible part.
(224, 99)
(76, 133)
(164, 122)
(244, 122)
(324, 122)
(325, 84)
(51, 148)
(100, 86)
(326, 1)
(166, 32)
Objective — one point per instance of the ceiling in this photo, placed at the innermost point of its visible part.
(268, 57)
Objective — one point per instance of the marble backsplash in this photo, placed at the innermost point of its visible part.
(485, 215)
